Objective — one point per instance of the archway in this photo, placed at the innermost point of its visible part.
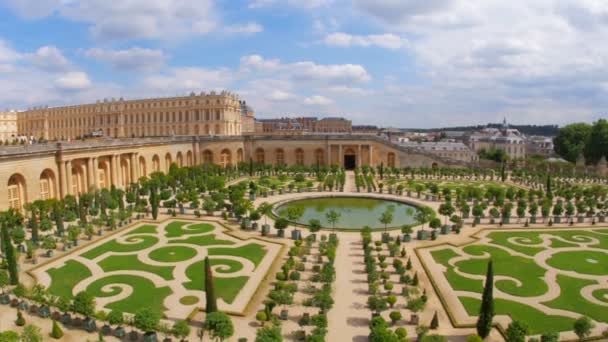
(78, 179)
(125, 167)
(279, 157)
(226, 158)
(239, 155)
(299, 156)
(350, 159)
(142, 167)
(260, 156)
(320, 156)
(168, 161)
(179, 159)
(207, 157)
(48, 187)
(189, 158)
(390, 159)
(155, 163)
(17, 191)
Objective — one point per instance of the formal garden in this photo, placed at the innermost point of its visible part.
(161, 266)
(547, 278)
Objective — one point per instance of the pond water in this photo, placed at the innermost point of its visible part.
(355, 212)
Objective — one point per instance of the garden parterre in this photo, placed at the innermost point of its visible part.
(546, 277)
(161, 266)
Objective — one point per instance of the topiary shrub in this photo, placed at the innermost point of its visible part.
(56, 332)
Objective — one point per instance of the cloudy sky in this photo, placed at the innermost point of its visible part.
(405, 63)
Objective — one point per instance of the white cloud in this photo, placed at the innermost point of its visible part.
(74, 80)
(318, 100)
(387, 40)
(187, 79)
(49, 58)
(135, 19)
(305, 4)
(279, 95)
(308, 71)
(249, 28)
(133, 59)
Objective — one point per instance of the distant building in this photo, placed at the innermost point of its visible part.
(451, 150)
(247, 118)
(365, 129)
(301, 125)
(541, 146)
(507, 139)
(8, 126)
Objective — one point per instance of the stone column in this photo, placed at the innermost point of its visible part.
(90, 179)
(328, 162)
(94, 174)
(62, 179)
(68, 177)
(134, 168)
(370, 155)
(118, 172)
(340, 157)
(359, 156)
(114, 170)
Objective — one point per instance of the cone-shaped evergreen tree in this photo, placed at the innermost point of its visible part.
(211, 301)
(486, 312)
(549, 187)
(435, 321)
(9, 254)
(58, 214)
(503, 172)
(56, 332)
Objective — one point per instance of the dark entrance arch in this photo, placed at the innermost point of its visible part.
(350, 161)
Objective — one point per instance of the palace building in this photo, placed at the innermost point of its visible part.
(202, 114)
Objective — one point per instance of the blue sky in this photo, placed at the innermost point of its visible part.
(404, 63)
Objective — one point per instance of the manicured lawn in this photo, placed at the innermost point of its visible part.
(145, 294)
(140, 242)
(252, 251)
(457, 282)
(131, 262)
(531, 238)
(63, 279)
(571, 299)
(583, 262)
(524, 269)
(202, 240)
(225, 288)
(537, 321)
(146, 229)
(601, 294)
(173, 254)
(177, 229)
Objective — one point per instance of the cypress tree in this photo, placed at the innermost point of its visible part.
(154, 202)
(549, 187)
(58, 213)
(486, 311)
(9, 254)
(503, 174)
(435, 321)
(34, 226)
(211, 301)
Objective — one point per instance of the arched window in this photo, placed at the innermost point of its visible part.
(280, 157)
(391, 159)
(207, 157)
(239, 155)
(259, 156)
(226, 158)
(299, 156)
(47, 185)
(320, 156)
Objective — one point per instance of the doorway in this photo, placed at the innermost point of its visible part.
(350, 161)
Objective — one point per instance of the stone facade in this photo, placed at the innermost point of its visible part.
(54, 170)
(300, 125)
(8, 126)
(202, 114)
